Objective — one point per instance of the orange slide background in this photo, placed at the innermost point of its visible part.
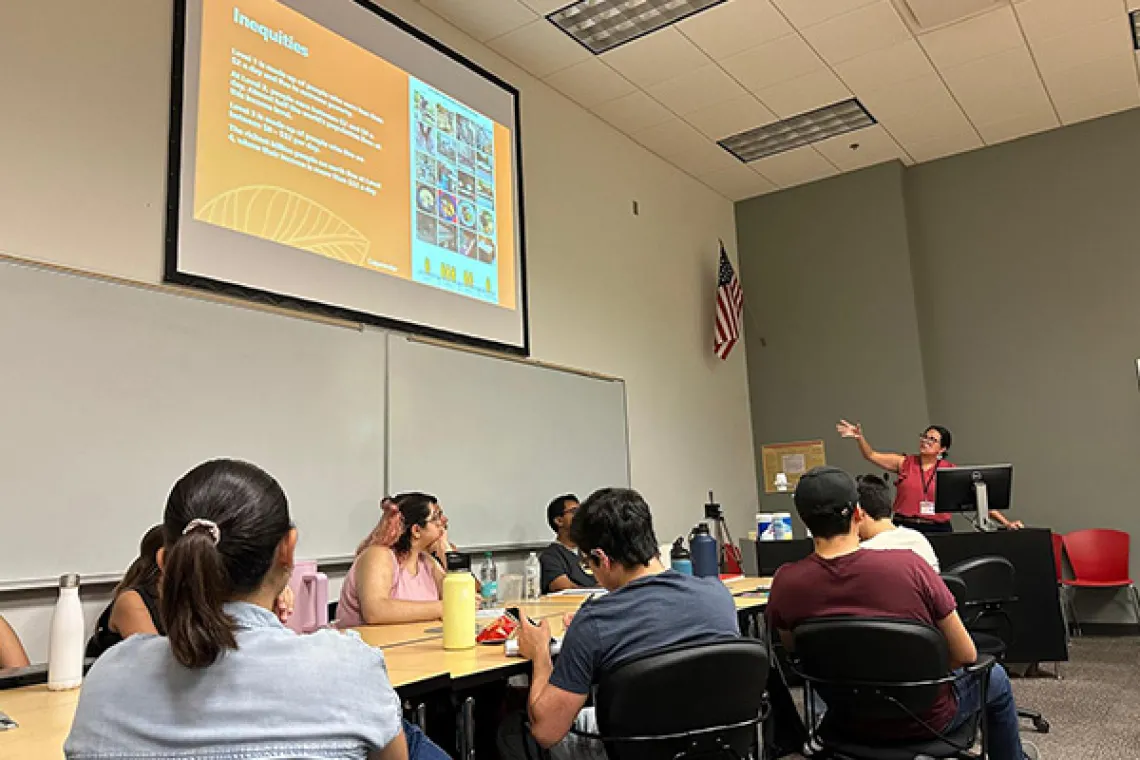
(241, 189)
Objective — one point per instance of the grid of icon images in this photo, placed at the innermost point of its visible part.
(455, 188)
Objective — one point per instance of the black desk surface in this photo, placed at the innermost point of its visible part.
(1038, 628)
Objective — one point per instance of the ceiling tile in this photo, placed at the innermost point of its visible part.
(738, 183)
(735, 26)
(805, 13)
(483, 20)
(685, 147)
(546, 7)
(730, 117)
(858, 32)
(655, 57)
(695, 89)
(1098, 104)
(806, 93)
(1082, 45)
(1018, 126)
(633, 112)
(942, 146)
(885, 67)
(795, 167)
(1043, 19)
(917, 110)
(540, 48)
(973, 38)
(773, 62)
(590, 83)
(993, 84)
(1112, 73)
(875, 147)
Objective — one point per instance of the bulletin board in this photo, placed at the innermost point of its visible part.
(792, 459)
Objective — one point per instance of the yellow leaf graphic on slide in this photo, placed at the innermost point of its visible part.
(286, 217)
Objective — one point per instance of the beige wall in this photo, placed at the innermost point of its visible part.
(84, 160)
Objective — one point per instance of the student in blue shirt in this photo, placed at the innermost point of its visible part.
(229, 681)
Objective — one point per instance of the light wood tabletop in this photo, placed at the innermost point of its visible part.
(414, 653)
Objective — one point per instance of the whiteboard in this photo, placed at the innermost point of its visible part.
(109, 393)
(495, 440)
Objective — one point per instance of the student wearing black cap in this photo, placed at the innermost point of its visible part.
(839, 578)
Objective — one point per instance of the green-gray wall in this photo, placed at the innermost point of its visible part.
(1009, 313)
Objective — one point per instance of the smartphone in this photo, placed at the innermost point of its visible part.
(516, 614)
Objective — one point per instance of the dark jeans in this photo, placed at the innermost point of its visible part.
(924, 526)
(1003, 743)
(419, 746)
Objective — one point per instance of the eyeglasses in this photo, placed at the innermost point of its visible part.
(586, 559)
(929, 439)
(569, 510)
(437, 518)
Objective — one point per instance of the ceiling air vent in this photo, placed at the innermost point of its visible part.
(924, 15)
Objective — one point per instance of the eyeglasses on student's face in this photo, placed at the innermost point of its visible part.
(931, 439)
(586, 560)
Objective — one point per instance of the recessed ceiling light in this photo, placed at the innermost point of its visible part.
(1134, 17)
(602, 25)
(797, 131)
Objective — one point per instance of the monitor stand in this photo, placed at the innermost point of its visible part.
(982, 499)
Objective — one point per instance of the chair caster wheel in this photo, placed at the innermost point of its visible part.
(1041, 725)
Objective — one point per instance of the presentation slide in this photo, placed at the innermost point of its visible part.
(314, 167)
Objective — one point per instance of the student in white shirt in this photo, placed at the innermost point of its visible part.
(877, 531)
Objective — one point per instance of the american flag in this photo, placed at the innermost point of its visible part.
(729, 307)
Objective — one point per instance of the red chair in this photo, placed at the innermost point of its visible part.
(1099, 559)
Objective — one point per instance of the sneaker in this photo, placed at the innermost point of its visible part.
(1030, 750)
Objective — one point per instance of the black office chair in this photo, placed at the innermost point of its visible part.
(983, 587)
(885, 671)
(702, 700)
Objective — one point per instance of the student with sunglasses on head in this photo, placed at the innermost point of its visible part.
(229, 680)
(397, 576)
(561, 569)
(648, 608)
(917, 477)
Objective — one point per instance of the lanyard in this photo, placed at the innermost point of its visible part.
(926, 484)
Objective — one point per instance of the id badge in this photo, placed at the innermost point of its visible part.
(926, 508)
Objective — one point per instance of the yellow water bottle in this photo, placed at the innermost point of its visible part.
(458, 603)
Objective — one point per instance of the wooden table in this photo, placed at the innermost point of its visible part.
(417, 664)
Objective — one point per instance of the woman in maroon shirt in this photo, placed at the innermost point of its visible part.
(914, 497)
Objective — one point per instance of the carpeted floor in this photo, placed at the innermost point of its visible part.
(1094, 710)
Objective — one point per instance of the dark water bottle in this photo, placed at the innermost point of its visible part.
(703, 548)
(680, 559)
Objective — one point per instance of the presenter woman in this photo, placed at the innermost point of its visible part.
(914, 497)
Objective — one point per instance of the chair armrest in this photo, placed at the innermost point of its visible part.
(984, 663)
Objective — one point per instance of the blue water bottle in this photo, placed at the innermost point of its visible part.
(680, 559)
(703, 548)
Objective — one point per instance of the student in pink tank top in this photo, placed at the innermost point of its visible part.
(398, 571)
(914, 496)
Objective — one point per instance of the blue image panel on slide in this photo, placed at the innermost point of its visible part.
(454, 213)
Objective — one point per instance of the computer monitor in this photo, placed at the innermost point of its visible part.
(974, 488)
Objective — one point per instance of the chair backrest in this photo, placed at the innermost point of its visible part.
(957, 588)
(1098, 554)
(855, 663)
(1058, 554)
(710, 691)
(990, 583)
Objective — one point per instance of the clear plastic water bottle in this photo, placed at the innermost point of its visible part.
(532, 571)
(489, 579)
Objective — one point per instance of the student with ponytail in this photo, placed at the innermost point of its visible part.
(397, 576)
(229, 680)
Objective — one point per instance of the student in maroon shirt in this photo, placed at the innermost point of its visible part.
(839, 578)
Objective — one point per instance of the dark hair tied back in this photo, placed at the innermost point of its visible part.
(200, 574)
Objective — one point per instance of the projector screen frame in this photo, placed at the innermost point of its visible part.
(172, 275)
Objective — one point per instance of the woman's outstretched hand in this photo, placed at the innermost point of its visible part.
(849, 430)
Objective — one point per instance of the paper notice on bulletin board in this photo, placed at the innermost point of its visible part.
(791, 460)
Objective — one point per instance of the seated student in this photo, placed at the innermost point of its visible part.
(648, 608)
(134, 605)
(12, 654)
(561, 569)
(397, 575)
(229, 680)
(839, 579)
(878, 530)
